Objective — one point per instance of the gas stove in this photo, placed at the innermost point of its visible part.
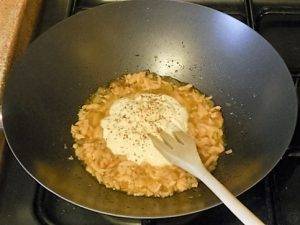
(275, 199)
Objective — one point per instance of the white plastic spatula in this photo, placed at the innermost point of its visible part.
(182, 152)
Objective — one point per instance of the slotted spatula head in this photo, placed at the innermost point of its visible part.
(179, 150)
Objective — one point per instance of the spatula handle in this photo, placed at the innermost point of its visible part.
(233, 204)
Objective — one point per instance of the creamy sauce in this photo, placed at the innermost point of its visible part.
(131, 119)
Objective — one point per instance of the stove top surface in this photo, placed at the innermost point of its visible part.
(275, 199)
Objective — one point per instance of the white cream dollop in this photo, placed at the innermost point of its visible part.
(131, 119)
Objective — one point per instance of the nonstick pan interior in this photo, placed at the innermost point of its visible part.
(219, 55)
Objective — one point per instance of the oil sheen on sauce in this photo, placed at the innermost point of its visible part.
(131, 119)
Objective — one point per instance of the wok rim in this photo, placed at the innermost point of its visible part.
(292, 130)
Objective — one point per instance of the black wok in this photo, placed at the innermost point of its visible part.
(218, 54)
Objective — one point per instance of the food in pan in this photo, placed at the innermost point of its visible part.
(111, 135)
